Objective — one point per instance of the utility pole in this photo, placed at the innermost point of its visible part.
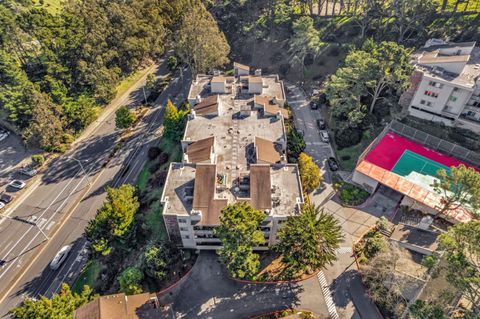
(144, 94)
(83, 169)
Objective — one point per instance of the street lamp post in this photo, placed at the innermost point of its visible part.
(83, 169)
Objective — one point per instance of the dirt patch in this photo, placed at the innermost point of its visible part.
(273, 269)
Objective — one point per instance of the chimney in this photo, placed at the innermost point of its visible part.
(258, 72)
(193, 114)
(199, 99)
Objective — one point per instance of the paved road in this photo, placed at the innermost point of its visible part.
(67, 199)
(210, 293)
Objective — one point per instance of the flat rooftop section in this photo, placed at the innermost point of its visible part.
(273, 86)
(179, 189)
(286, 189)
(201, 86)
(415, 236)
(466, 78)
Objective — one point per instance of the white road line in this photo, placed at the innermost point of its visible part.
(332, 311)
(44, 211)
(38, 233)
(6, 247)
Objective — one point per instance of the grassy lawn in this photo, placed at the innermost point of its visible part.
(128, 81)
(154, 221)
(88, 276)
(142, 180)
(352, 152)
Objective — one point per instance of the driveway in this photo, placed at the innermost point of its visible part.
(210, 293)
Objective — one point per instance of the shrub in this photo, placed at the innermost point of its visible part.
(67, 138)
(172, 62)
(373, 245)
(382, 223)
(429, 261)
(38, 159)
(159, 179)
(230, 72)
(283, 69)
(334, 51)
(345, 157)
(124, 117)
(153, 152)
(351, 194)
(129, 280)
(347, 137)
(163, 158)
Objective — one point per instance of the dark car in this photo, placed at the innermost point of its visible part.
(321, 124)
(333, 164)
(6, 198)
(313, 105)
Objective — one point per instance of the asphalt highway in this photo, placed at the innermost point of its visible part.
(67, 198)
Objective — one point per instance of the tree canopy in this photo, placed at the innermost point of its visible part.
(198, 41)
(113, 219)
(124, 117)
(239, 234)
(130, 280)
(308, 241)
(459, 187)
(309, 172)
(61, 305)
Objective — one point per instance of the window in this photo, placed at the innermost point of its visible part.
(182, 220)
(186, 237)
(431, 93)
(429, 103)
(422, 102)
(183, 229)
(435, 84)
(453, 98)
(455, 89)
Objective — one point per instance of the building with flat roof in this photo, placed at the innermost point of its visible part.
(445, 85)
(410, 169)
(234, 150)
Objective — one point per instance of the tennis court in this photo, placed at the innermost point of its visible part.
(411, 162)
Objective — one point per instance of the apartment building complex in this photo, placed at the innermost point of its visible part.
(234, 149)
(445, 86)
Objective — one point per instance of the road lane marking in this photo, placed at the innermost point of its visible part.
(6, 247)
(44, 211)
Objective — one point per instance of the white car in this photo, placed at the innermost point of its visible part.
(2, 204)
(17, 184)
(4, 135)
(324, 136)
(28, 171)
(60, 257)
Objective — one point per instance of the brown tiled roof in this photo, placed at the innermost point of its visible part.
(274, 109)
(208, 105)
(119, 306)
(260, 187)
(212, 216)
(241, 66)
(411, 190)
(200, 150)
(204, 189)
(262, 99)
(218, 79)
(266, 151)
(255, 79)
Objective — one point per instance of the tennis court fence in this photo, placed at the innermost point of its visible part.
(435, 143)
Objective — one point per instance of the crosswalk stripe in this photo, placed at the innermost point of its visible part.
(332, 311)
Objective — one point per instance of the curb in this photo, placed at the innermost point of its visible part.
(276, 282)
(279, 311)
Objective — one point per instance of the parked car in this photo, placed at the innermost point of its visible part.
(4, 134)
(314, 105)
(321, 124)
(17, 184)
(2, 204)
(28, 171)
(60, 257)
(6, 198)
(324, 136)
(332, 163)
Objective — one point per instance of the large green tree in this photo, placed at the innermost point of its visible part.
(239, 234)
(198, 41)
(461, 246)
(172, 121)
(412, 16)
(459, 187)
(158, 258)
(124, 117)
(130, 280)
(305, 40)
(113, 219)
(61, 305)
(308, 241)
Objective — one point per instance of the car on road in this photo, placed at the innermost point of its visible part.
(333, 164)
(60, 257)
(6, 198)
(4, 134)
(17, 184)
(314, 105)
(2, 204)
(321, 124)
(28, 171)
(324, 136)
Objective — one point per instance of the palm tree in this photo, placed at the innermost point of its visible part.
(308, 241)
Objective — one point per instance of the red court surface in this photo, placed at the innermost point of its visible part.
(391, 147)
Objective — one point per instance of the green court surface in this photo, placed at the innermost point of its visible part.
(411, 162)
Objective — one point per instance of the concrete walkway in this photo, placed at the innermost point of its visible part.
(210, 293)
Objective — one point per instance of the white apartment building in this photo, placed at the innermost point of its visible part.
(445, 86)
(234, 149)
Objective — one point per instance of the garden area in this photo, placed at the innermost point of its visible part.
(348, 193)
(290, 314)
